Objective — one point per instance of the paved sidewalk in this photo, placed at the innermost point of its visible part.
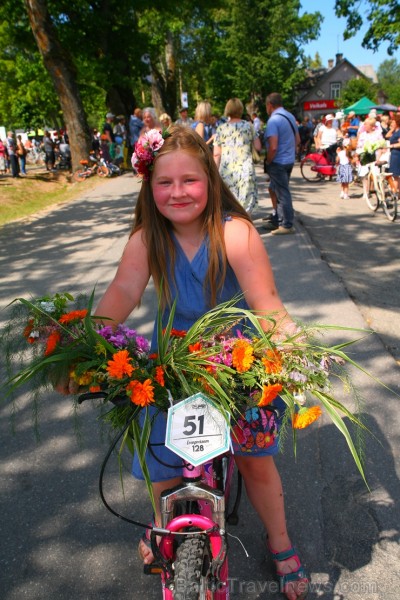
(60, 542)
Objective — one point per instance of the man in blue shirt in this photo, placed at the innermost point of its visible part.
(354, 124)
(281, 139)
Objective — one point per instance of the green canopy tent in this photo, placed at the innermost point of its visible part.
(361, 107)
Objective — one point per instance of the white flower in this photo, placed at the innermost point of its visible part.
(300, 398)
(48, 307)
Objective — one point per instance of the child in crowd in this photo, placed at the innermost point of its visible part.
(345, 169)
(200, 247)
(105, 150)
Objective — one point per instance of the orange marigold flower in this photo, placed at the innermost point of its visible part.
(94, 388)
(306, 416)
(242, 356)
(153, 356)
(195, 347)
(272, 361)
(269, 393)
(28, 328)
(119, 365)
(159, 376)
(180, 333)
(73, 316)
(141, 394)
(52, 342)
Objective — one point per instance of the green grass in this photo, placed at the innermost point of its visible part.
(24, 197)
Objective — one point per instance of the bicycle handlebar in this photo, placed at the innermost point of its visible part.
(116, 400)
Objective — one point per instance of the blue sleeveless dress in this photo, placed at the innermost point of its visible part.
(191, 305)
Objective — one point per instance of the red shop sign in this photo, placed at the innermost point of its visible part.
(319, 104)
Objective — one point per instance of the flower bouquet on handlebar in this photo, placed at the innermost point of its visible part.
(56, 338)
(369, 151)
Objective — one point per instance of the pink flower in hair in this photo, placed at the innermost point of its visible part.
(146, 150)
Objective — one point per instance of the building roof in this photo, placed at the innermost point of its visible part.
(369, 72)
(319, 76)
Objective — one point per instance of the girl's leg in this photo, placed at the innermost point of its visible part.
(345, 188)
(158, 487)
(264, 489)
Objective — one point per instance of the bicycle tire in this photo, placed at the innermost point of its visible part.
(103, 171)
(191, 569)
(389, 201)
(372, 198)
(307, 172)
(79, 175)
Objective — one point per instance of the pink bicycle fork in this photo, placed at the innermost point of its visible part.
(211, 519)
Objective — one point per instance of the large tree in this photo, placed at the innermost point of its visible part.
(356, 89)
(382, 18)
(61, 70)
(120, 51)
(389, 80)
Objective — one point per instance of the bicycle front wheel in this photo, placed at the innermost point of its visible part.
(79, 175)
(372, 198)
(191, 567)
(389, 201)
(308, 170)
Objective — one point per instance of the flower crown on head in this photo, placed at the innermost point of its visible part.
(146, 150)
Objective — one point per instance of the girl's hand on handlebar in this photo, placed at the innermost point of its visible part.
(66, 387)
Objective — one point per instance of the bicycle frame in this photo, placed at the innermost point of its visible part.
(322, 163)
(380, 190)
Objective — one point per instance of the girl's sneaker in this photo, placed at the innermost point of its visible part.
(346, 197)
(341, 195)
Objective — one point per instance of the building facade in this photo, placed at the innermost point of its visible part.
(322, 88)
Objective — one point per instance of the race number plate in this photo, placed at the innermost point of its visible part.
(196, 430)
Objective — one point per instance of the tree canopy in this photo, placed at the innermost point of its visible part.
(124, 54)
(382, 18)
(389, 80)
(356, 89)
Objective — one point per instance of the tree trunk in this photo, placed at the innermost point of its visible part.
(62, 73)
(163, 87)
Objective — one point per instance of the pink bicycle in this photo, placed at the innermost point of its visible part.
(191, 556)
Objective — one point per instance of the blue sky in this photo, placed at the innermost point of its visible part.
(331, 40)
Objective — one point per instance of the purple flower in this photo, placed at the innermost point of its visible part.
(297, 376)
(142, 344)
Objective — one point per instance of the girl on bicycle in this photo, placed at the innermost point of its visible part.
(199, 245)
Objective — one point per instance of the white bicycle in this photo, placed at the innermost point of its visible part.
(381, 190)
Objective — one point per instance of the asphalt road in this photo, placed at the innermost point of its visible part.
(57, 540)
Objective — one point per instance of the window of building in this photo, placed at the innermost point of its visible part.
(335, 90)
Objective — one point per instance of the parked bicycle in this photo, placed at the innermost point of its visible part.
(89, 167)
(317, 166)
(107, 169)
(191, 556)
(35, 156)
(381, 190)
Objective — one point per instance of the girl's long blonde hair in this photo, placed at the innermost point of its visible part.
(157, 229)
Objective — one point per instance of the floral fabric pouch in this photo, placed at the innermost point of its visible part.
(256, 433)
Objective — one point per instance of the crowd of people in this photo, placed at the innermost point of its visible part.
(346, 138)
(15, 152)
